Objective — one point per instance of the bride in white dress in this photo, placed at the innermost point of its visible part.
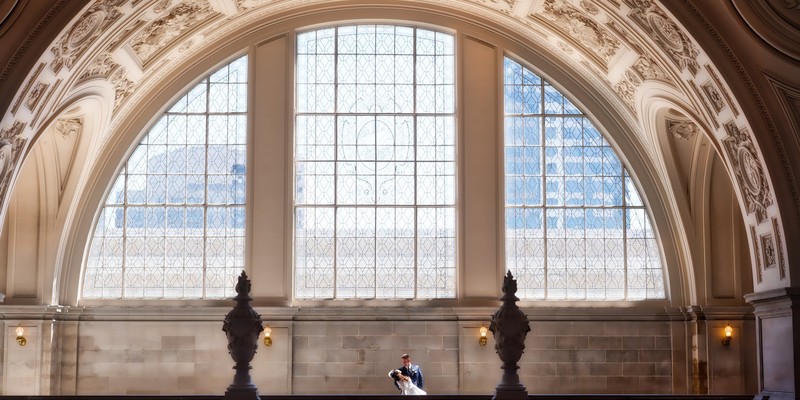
(406, 386)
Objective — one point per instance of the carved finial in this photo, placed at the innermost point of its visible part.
(509, 284)
(243, 285)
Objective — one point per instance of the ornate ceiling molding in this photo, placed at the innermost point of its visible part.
(618, 45)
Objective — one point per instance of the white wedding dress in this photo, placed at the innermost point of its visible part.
(409, 388)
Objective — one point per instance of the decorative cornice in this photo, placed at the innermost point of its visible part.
(22, 50)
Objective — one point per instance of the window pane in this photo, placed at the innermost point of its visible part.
(173, 223)
(365, 168)
(576, 227)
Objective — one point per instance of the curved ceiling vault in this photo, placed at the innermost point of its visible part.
(631, 51)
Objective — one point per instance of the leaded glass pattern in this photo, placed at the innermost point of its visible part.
(374, 198)
(575, 226)
(172, 226)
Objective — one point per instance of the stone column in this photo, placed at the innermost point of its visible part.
(777, 342)
(510, 326)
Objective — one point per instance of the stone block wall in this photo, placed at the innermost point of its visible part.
(333, 351)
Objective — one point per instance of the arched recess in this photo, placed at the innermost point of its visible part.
(714, 240)
(153, 96)
(42, 202)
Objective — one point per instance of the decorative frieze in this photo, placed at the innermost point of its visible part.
(165, 31)
(596, 41)
(93, 23)
(665, 33)
(749, 173)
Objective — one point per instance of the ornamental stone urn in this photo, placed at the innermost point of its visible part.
(510, 326)
(242, 326)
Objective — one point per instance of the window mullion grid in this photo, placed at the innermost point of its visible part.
(204, 275)
(624, 236)
(124, 263)
(415, 113)
(545, 228)
(336, 111)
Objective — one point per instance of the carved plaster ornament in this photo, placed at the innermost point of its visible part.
(123, 86)
(649, 69)
(713, 97)
(682, 130)
(754, 240)
(101, 66)
(626, 89)
(779, 248)
(749, 174)
(590, 7)
(575, 24)
(664, 32)
(768, 251)
(68, 127)
(89, 26)
(36, 94)
(161, 33)
(11, 144)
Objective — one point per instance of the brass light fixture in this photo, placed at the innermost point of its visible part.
(267, 338)
(482, 340)
(21, 336)
(726, 341)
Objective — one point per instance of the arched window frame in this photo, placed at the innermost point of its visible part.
(272, 283)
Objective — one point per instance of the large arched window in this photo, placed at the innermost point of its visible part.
(172, 226)
(374, 163)
(576, 228)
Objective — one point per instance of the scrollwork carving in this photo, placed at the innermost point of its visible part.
(159, 34)
(713, 96)
(749, 173)
(779, 249)
(89, 26)
(666, 33)
(597, 42)
(35, 95)
(649, 69)
(101, 66)
(122, 86)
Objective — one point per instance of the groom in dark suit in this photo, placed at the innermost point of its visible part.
(410, 370)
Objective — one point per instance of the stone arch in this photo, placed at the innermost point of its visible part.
(614, 48)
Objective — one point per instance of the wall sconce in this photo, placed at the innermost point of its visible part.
(482, 340)
(726, 341)
(21, 336)
(267, 338)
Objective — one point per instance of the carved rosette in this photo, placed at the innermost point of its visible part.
(665, 33)
(163, 32)
(597, 42)
(749, 174)
(89, 27)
